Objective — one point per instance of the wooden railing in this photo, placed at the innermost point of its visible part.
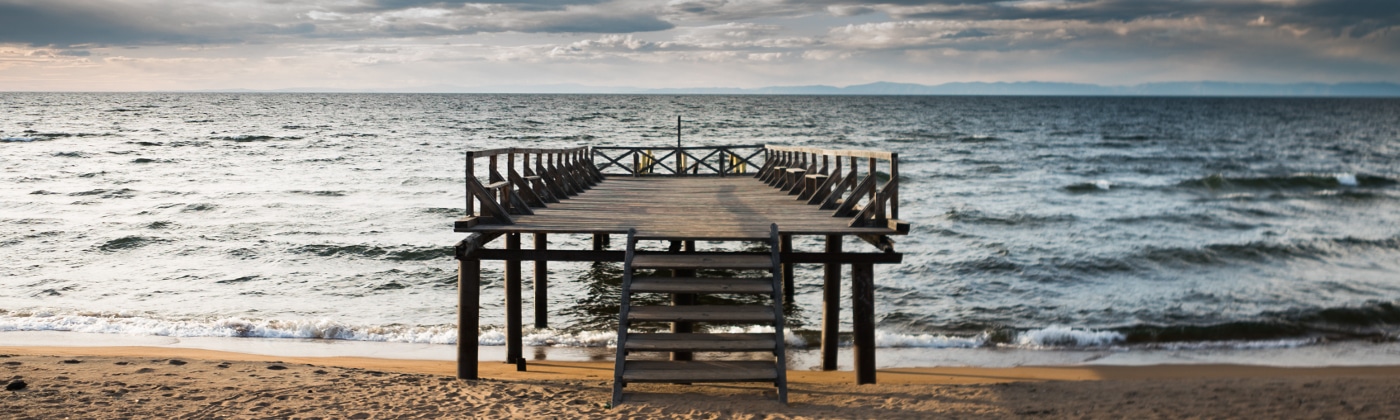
(678, 161)
(817, 176)
(858, 184)
(552, 175)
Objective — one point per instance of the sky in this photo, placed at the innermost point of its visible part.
(145, 45)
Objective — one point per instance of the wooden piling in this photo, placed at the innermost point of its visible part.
(831, 305)
(681, 299)
(468, 316)
(789, 288)
(541, 284)
(863, 319)
(514, 325)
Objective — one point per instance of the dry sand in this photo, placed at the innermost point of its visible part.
(145, 382)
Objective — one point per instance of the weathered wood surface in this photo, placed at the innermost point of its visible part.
(703, 313)
(695, 371)
(700, 342)
(700, 285)
(696, 262)
(698, 208)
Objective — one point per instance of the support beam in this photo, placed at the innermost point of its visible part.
(863, 318)
(514, 326)
(600, 241)
(468, 316)
(616, 256)
(831, 305)
(541, 284)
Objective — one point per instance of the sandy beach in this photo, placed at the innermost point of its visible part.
(147, 382)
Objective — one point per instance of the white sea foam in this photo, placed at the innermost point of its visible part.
(1347, 179)
(887, 339)
(1285, 343)
(1103, 184)
(1059, 336)
(792, 340)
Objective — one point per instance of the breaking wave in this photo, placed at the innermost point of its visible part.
(1295, 181)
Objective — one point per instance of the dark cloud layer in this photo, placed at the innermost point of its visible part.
(1354, 18)
(63, 23)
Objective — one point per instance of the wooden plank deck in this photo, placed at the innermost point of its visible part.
(690, 207)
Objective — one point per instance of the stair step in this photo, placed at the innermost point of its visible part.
(701, 285)
(699, 371)
(700, 342)
(702, 261)
(702, 313)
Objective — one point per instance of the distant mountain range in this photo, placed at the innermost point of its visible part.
(1204, 88)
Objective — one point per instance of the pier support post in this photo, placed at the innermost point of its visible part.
(514, 326)
(863, 318)
(468, 316)
(541, 284)
(831, 305)
(789, 289)
(600, 241)
(680, 299)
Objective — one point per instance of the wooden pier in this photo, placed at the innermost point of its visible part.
(681, 194)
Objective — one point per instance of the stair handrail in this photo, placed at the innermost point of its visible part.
(623, 311)
(779, 337)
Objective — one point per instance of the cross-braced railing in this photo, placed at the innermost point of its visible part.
(553, 175)
(678, 161)
(817, 176)
(853, 184)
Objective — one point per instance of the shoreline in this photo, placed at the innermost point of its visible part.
(135, 381)
(575, 370)
(1333, 354)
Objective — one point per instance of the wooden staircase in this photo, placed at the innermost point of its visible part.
(681, 369)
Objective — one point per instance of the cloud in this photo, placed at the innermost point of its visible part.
(176, 22)
(64, 23)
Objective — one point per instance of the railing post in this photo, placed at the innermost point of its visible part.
(471, 169)
(873, 191)
(509, 190)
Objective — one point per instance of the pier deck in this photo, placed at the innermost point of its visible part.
(691, 207)
(683, 195)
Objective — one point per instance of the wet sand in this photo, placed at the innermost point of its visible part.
(137, 382)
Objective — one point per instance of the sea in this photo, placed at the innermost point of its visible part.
(1042, 226)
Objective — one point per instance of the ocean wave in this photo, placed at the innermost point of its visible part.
(226, 327)
(128, 242)
(250, 138)
(1295, 181)
(1261, 250)
(1060, 336)
(1301, 330)
(325, 193)
(1014, 219)
(935, 341)
(400, 253)
(1090, 187)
